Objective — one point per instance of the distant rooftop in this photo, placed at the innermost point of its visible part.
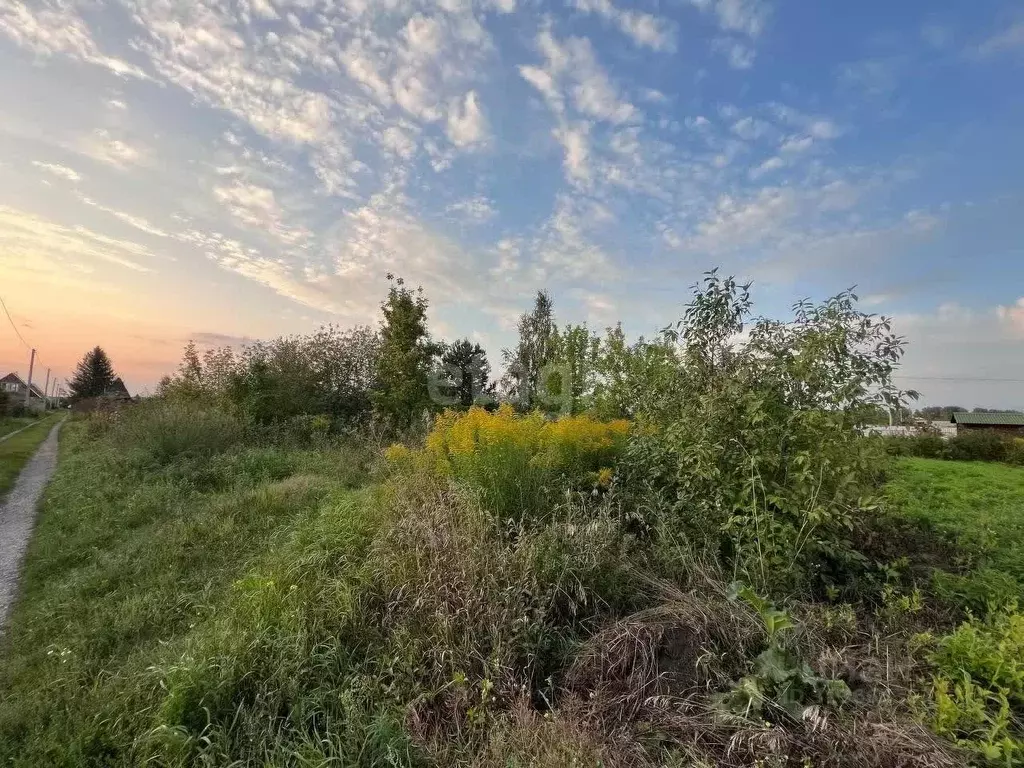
(991, 419)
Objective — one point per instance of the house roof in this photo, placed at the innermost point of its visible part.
(13, 378)
(990, 419)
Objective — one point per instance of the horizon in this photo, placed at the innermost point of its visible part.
(231, 174)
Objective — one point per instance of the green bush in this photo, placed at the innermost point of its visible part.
(160, 431)
(981, 445)
(978, 689)
(1015, 452)
(754, 451)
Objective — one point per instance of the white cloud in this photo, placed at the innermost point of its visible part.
(257, 207)
(769, 165)
(1006, 40)
(738, 54)
(875, 78)
(466, 122)
(399, 140)
(1013, 316)
(29, 242)
(748, 17)
(565, 248)
(644, 29)
(574, 141)
(796, 144)
(114, 152)
(60, 171)
(962, 355)
(137, 222)
(572, 71)
(475, 208)
(47, 32)
(750, 128)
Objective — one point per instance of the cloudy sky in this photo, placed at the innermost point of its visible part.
(231, 169)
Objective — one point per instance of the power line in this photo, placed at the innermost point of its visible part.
(11, 321)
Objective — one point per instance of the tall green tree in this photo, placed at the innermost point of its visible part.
(402, 392)
(465, 375)
(94, 375)
(525, 364)
(572, 368)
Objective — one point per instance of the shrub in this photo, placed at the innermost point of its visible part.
(160, 432)
(981, 445)
(517, 462)
(1015, 452)
(754, 451)
(978, 689)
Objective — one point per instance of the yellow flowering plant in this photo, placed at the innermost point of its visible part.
(517, 461)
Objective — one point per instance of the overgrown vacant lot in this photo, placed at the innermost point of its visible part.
(695, 563)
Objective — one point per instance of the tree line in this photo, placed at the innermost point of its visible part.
(398, 372)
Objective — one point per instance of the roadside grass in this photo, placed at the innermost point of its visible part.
(979, 506)
(9, 424)
(132, 566)
(16, 451)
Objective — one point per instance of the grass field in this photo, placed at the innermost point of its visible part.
(17, 450)
(980, 505)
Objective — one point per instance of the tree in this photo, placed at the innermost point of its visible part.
(402, 391)
(525, 364)
(574, 351)
(94, 375)
(465, 374)
(940, 412)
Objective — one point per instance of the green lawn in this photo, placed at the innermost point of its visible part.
(16, 451)
(981, 505)
(10, 423)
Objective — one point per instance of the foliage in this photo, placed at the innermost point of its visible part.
(780, 684)
(573, 364)
(520, 463)
(401, 391)
(629, 376)
(527, 364)
(160, 432)
(328, 372)
(978, 689)
(465, 376)
(980, 445)
(93, 377)
(752, 447)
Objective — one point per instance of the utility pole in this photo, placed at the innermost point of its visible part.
(28, 389)
(46, 392)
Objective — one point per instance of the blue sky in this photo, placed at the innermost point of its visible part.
(230, 169)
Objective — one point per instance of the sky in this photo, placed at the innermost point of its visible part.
(227, 170)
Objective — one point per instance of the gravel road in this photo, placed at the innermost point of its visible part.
(17, 516)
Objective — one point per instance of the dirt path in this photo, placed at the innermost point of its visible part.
(17, 516)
